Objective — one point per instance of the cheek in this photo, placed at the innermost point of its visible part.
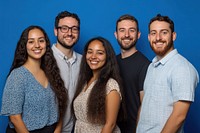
(103, 60)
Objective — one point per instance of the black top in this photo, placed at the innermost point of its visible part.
(133, 71)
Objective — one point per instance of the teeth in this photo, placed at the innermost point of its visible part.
(93, 62)
(37, 51)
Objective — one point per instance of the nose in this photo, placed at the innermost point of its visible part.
(127, 33)
(158, 36)
(69, 31)
(37, 44)
(93, 56)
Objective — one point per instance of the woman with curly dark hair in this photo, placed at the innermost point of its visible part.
(34, 96)
(97, 100)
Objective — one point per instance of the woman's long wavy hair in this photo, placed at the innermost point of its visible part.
(96, 101)
(48, 65)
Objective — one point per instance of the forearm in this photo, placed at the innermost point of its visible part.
(177, 117)
(108, 128)
(58, 127)
(173, 124)
(18, 123)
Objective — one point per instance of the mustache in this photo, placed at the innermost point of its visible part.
(130, 38)
(159, 41)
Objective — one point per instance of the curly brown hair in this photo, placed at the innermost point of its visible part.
(48, 65)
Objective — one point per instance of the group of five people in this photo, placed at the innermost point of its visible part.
(55, 89)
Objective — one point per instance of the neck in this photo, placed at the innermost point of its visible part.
(32, 65)
(65, 51)
(127, 53)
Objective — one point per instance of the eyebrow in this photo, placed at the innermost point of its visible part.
(160, 30)
(128, 28)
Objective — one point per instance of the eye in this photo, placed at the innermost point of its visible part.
(164, 32)
(42, 41)
(64, 28)
(132, 30)
(89, 52)
(121, 30)
(75, 28)
(153, 33)
(30, 42)
(101, 52)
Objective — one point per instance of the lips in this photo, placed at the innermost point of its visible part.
(93, 62)
(37, 51)
(159, 43)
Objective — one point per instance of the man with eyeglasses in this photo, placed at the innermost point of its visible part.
(67, 29)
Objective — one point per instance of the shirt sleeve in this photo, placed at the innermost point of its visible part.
(184, 82)
(112, 85)
(13, 95)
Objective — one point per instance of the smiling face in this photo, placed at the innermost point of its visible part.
(68, 39)
(96, 55)
(161, 38)
(36, 44)
(127, 34)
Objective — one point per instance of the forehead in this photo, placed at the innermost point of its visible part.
(126, 23)
(69, 21)
(159, 25)
(35, 33)
(96, 44)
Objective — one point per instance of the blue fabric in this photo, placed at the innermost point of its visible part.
(168, 80)
(24, 95)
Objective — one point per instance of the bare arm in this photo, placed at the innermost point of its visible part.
(59, 127)
(18, 123)
(112, 108)
(177, 117)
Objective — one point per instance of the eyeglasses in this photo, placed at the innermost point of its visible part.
(65, 29)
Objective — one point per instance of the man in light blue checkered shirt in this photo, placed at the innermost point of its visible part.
(169, 84)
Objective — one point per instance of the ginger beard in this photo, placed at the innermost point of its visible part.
(162, 50)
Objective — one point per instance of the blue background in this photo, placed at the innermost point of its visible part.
(98, 18)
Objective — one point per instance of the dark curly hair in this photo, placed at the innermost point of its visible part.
(48, 65)
(159, 17)
(96, 101)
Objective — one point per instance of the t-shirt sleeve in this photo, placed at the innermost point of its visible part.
(112, 85)
(184, 82)
(13, 95)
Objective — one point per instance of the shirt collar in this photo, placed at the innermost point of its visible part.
(64, 57)
(157, 62)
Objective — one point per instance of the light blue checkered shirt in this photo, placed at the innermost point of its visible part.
(168, 80)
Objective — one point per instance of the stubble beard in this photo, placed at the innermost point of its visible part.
(128, 47)
(62, 43)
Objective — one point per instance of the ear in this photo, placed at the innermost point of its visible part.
(115, 33)
(174, 36)
(139, 33)
(55, 31)
(149, 37)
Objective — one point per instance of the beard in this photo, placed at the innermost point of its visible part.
(128, 47)
(163, 51)
(65, 45)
